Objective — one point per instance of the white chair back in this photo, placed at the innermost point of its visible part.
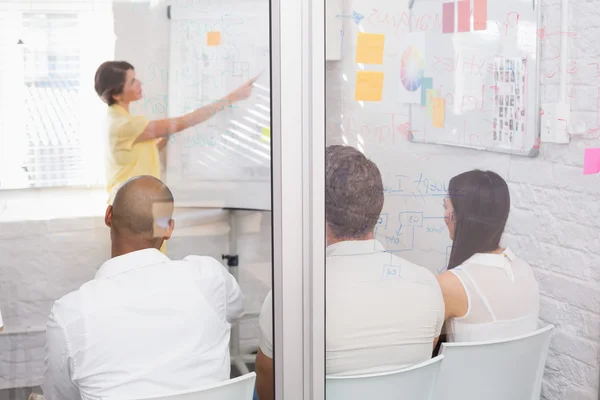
(241, 388)
(414, 383)
(496, 370)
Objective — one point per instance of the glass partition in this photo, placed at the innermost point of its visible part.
(97, 279)
(455, 175)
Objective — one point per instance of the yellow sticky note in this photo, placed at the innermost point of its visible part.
(266, 135)
(439, 112)
(213, 38)
(430, 94)
(369, 48)
(369, 86)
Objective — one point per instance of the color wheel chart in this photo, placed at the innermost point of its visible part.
(412, 68)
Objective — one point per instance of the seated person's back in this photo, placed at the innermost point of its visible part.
(383, 312)
(503, 298)
(490, 293)
(146, 325)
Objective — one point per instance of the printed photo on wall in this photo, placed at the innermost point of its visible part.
(509, 81)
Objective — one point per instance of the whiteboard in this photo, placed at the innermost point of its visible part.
(483, 111)
(461, 67)
(224, 162)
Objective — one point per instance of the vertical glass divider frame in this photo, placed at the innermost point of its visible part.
(298, 170)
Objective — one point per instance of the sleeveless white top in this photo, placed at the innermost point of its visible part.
(503, 297)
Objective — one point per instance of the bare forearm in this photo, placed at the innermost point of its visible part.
(202, 114)
(264, 377)
(164, 127)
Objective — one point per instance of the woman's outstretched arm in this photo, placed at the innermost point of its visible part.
(168, 126)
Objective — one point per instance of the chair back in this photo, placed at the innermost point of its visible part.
(495, 370)
(241, 388)
(413, 383)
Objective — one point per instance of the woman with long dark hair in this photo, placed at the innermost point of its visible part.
(489, 292)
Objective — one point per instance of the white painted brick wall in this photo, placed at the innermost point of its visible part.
(556, 212)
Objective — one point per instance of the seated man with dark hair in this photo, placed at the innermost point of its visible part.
(384, 313)
(145, 325)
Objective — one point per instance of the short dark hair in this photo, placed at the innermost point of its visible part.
(353, 192)
(481, 203)
(110, 79)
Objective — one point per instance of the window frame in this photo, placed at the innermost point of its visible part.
(298, 151)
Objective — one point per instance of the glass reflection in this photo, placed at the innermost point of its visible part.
(442, 236)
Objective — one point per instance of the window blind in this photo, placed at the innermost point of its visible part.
(49, 77)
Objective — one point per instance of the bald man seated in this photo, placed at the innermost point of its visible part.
(145, 325)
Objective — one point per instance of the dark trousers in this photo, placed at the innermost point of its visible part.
(438, 346)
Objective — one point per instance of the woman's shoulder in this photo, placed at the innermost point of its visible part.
(450, 281)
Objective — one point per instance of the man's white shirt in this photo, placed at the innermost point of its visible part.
(144, 326)
(383, 312)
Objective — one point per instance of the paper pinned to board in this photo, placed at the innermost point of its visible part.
(369, 48)
(464, 16)
(213, 38)
(426, 84)
(439, 112)
(448, 17)
(266, 134)
(369, 86)
(412, 50)
(479, 15)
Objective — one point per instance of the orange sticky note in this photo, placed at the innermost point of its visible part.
(266, 134)
(213, 38)
(369, 48)
(439, 112)
(369, 86)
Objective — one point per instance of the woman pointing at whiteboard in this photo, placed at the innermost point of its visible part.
(134, 141)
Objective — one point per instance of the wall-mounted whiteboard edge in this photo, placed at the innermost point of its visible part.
(535, 150)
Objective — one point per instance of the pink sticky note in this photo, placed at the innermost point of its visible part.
(464, 15)
(448, 17)
(591, 161)
(480, 15)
